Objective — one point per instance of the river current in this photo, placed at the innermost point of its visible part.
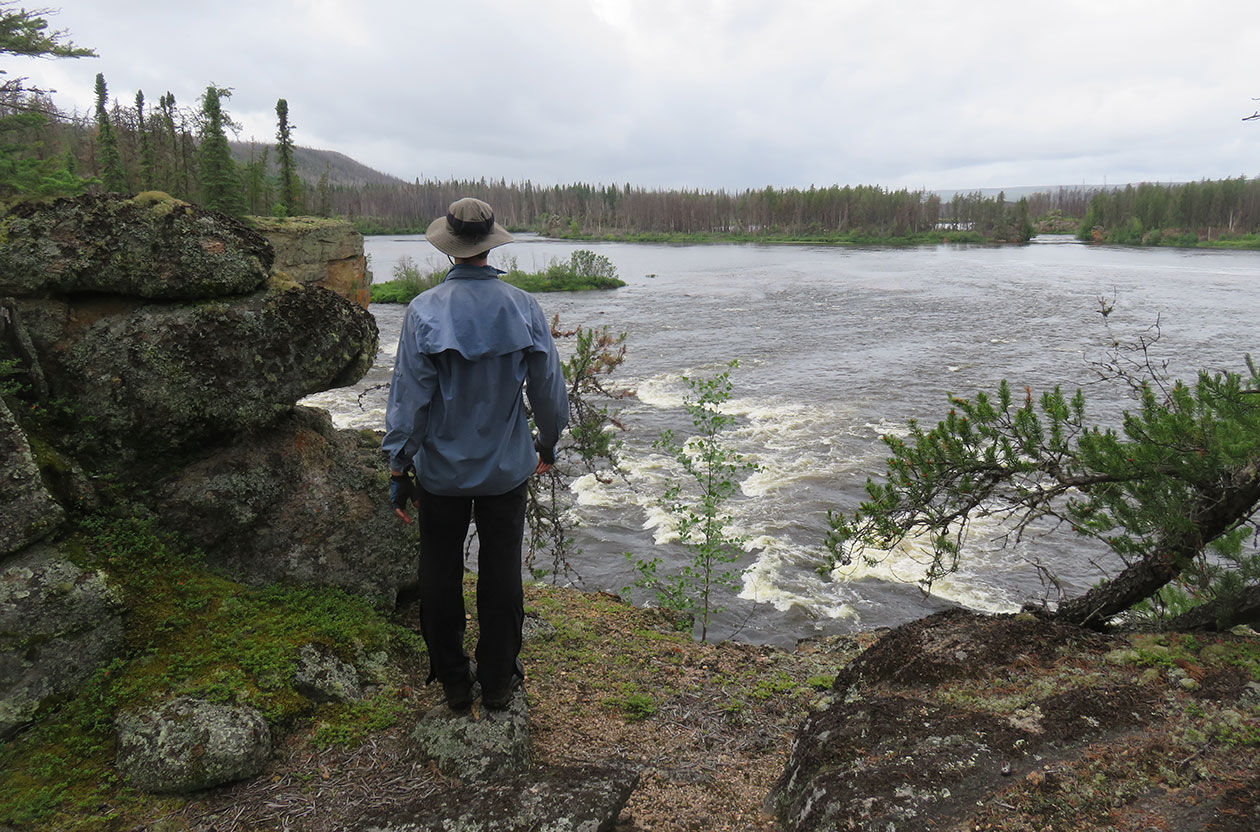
(837, 346)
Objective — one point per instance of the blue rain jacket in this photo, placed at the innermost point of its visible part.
(467, 349)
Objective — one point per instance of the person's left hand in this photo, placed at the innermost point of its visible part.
(402, 491)
(542, 467)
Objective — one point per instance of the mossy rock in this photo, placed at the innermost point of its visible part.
(58, 623)
(27, 511)
(301, 503)
(149, 246)
(144, 379)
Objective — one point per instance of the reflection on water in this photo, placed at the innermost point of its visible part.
(838, 346)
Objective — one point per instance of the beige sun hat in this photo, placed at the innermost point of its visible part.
(467, 229)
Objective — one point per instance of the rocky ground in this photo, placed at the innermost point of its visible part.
(708, 727)
(956, 722)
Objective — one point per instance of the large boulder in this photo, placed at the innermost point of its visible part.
(144, 379)
(316, 251)
(27, 511)
(58, 623)
(189, 744)
(965, 721)
(300, 503)
(149, 246)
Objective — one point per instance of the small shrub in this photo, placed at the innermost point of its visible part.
(697, 503)
(638, 706)
(409, 281)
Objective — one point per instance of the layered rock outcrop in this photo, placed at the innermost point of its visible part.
(319, 252)
(147, 341)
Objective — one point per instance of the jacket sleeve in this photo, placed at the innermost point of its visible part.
(545, 387)
(410, 393)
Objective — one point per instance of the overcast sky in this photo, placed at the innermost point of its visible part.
(707, 93)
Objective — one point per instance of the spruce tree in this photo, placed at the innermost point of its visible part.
(148, 164)
(323, 191)
(109, 162)
(220, 182)
(26, 33)
(23, 170)
(290, 186)
(258, 191)
(174, 176)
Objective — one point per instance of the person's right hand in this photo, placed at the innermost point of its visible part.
(546, 457)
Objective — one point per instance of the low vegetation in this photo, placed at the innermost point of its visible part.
(192, 632)
(605, 677)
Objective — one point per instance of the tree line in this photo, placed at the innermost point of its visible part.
(612, 210)
(1150, 213)
(139, 146)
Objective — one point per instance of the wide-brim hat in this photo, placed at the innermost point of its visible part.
(467, 230)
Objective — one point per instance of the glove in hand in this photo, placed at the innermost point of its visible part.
(402, 489)
(547, 455)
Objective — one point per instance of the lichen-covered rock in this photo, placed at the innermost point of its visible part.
(475, 745)
(957, 644)
(300, 503)
(149, 246)
(146, 379)
(320, 252)
(27, 511)
(561, 799)
(188, 744)
(930, 726)
(322, 677)
(58, 623)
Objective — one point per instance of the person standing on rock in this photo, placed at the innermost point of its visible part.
(457, 421)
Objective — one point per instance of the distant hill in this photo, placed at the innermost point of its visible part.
(311, 163)
(1015, 193)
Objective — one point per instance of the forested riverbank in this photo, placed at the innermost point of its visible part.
(1222, 213)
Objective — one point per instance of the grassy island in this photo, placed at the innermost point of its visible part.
(584, 271)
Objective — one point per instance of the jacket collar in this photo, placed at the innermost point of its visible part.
(463, 271)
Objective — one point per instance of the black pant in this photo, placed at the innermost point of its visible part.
(500, 597)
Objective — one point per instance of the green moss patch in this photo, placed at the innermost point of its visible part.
(190, 632)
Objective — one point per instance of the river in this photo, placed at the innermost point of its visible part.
(837, 346)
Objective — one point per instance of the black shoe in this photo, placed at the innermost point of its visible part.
(500, 700)
(459, 694)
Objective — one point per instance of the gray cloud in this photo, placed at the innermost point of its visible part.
(708, 93)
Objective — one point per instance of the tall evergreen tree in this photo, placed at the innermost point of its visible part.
(258, 191)
(290, 186)
(148, 164)
(168, 135)
(220, 182)
(109, 159)
(323, 192)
